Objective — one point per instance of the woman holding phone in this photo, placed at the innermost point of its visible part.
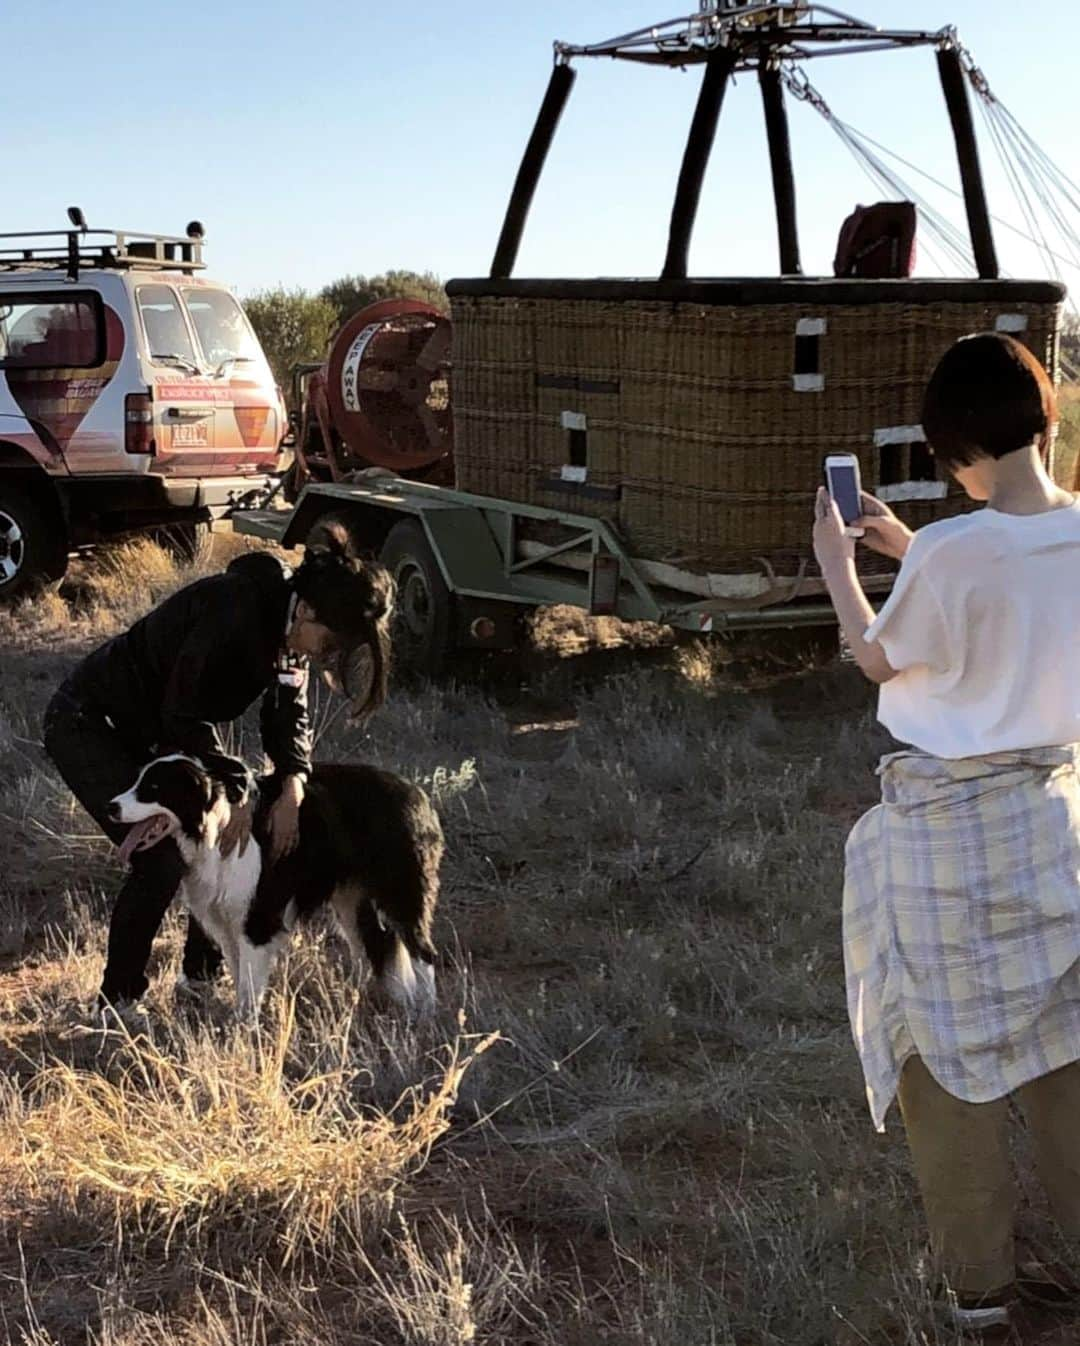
(962, 888)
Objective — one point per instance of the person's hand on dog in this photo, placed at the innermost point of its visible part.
(883, 531)
(237, 831)
(832, 545)
(283, 820)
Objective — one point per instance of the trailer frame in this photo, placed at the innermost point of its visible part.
(486, 577)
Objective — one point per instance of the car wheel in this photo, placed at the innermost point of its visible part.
(33, 543)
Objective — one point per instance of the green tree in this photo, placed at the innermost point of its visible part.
(292, 326)
(352, 293)
(1070, 348)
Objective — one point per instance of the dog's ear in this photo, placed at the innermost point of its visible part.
(216, 814)
(194, 796)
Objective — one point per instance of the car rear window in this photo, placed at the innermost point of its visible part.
(223, 329)
(167, 334)
(40, 331)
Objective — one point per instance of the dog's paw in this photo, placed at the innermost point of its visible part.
(247, 1013)
(126, 1016)
(193, 988)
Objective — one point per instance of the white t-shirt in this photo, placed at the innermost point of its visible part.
(983, 628)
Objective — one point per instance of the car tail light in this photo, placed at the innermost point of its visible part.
(286, 435)
(139, 423)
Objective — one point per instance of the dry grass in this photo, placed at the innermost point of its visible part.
(666, 1143)
(186, 1141)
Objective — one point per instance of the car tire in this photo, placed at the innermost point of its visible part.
(33, 543)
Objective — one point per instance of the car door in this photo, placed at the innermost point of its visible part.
(248, 422)
(185, 394)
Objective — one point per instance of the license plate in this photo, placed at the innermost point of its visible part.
(191, 435)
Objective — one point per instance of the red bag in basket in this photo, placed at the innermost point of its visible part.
(877, 241)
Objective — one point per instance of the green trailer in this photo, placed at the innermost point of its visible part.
(469, 567)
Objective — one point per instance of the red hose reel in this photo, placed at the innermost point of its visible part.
(383, 397)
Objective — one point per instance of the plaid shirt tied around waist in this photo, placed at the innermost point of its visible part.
(962, 922)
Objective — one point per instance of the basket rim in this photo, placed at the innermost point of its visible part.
(744, 291)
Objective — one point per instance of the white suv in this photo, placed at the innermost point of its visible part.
(134, 395)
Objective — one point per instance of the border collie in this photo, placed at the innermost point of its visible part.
(370, 844)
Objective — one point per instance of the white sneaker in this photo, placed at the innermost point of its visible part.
(979, 1319)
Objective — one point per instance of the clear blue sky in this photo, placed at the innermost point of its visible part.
(322, 137)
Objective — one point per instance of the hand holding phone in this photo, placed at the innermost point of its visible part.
(885, 533)
(844, 486)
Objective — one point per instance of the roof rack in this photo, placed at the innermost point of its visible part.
(100, 249)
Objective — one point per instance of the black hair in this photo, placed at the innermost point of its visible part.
(988, 396)
(353, 598)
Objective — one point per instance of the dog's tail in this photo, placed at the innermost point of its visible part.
(414, 936)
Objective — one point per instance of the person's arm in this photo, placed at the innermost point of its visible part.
(284, 721)
(855, 615)
(918, 625)
(835, 552)
(184, 723)
(286, 736)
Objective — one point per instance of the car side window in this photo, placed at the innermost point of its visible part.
(168, 338)
(43, 331)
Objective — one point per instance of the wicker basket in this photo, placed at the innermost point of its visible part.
(695, 415)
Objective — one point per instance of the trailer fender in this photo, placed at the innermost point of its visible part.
(467, 553)
(314, 505)
(468, 556)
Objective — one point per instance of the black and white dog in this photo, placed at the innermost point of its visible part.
(370, 844)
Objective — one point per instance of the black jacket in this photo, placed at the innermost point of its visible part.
(198, 661)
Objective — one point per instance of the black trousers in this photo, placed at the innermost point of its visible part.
(97, 764)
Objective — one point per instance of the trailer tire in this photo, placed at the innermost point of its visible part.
(33, 542)
(423, 622)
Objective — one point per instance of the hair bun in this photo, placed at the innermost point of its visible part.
(330, 540)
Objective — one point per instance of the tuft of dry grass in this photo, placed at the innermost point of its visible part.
(183, 1141)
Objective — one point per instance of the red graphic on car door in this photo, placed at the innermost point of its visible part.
(59, 395)
(248, 437)
(251, 422)
(215, 424)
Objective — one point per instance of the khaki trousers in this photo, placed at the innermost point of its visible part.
(961, 1156)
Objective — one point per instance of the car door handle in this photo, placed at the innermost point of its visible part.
(189, 413)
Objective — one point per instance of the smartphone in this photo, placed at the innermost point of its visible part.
(843, 484)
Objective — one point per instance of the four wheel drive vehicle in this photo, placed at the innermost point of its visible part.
(134, 396)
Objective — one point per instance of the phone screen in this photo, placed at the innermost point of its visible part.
(844, 489)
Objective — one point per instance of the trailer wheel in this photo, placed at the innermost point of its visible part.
(423, 622)
(33, 543)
